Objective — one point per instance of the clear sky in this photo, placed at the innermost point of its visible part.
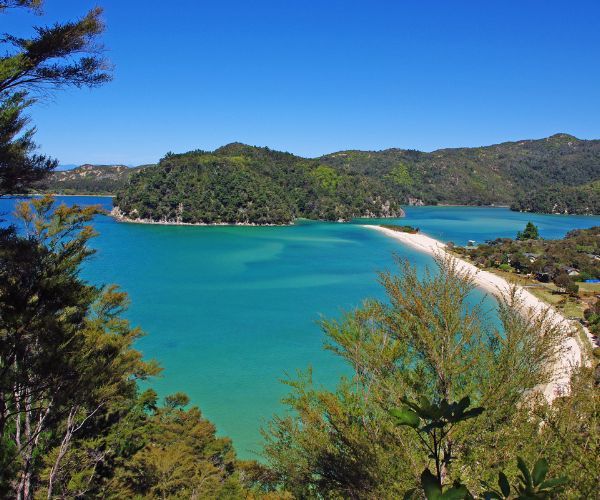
(317, 76)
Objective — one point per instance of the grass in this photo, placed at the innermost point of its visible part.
(548, 292)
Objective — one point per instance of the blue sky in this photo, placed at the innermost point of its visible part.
(317, 76)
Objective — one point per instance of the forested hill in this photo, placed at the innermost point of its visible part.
(500, 174)
(88, 179)
(559, 174)
(240, 184)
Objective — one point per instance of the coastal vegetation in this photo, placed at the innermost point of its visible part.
(559, 174)
(239, 184)
(582, 199)
(401, 229)
(426, 358)
(502, 174)
(87, 179)
(564, 272)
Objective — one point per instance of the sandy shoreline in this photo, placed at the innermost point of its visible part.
(498, 286)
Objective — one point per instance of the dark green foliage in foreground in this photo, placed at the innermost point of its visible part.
(434, 422)
(577, 252)
(583, 200)
(72, 420)
(424, 341)
(497, 174)
(244, 184)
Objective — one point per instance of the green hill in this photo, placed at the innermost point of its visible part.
(239, 184)
(498, 174)
(581, 200)
(559, 174)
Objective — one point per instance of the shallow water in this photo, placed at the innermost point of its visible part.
(230, 311)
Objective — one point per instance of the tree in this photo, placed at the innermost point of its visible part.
(433, 423)
(31, 4)
(56, 57)
(66, 352)
(425, 340)
(531, 232)
(565, 283)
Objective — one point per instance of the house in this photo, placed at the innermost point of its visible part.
(571, 271)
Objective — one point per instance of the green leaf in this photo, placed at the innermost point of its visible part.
(503, 484)
(539, 471)
(404, 416)
(474, 412)
(463, 404)
(553, 483)
(457, 492)
(525, 472)
(491, 495)
(433, 491)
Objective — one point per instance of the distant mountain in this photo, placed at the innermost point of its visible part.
(498, 174)
(66, 166)
(240, 184)
(89, 179)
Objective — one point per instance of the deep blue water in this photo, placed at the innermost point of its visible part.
(229, 311)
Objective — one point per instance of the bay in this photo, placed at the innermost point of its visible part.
(230, 311)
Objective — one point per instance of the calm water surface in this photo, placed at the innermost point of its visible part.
(230, 311)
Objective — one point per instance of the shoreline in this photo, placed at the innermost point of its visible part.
(498, 286)
(116, 214)
(30, 195)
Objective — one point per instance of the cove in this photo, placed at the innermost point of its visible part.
(230, 311)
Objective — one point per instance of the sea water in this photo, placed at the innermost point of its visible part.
(231, 311)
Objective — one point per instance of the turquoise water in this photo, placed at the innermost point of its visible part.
(230, 311)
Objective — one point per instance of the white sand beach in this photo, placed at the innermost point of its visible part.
(572, 353)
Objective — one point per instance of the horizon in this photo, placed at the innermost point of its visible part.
(314, 79)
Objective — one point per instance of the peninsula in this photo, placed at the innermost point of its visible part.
(531, 306)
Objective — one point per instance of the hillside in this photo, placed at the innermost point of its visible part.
(239, 184)
(498, 174)
(88, 179)
(581, 200)
(559, 174)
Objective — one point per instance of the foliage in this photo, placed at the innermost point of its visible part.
(427, 339)
(564, 283)
(401, 229)
(577, 252)
(570, 433)
(499, 174)
(437, 421)
(582, 199)
(531, 232)
(244, 184)
(531, 484)
(559, 174)
(88, 179)
(19, 167)
(56, 56)
(72, 421)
